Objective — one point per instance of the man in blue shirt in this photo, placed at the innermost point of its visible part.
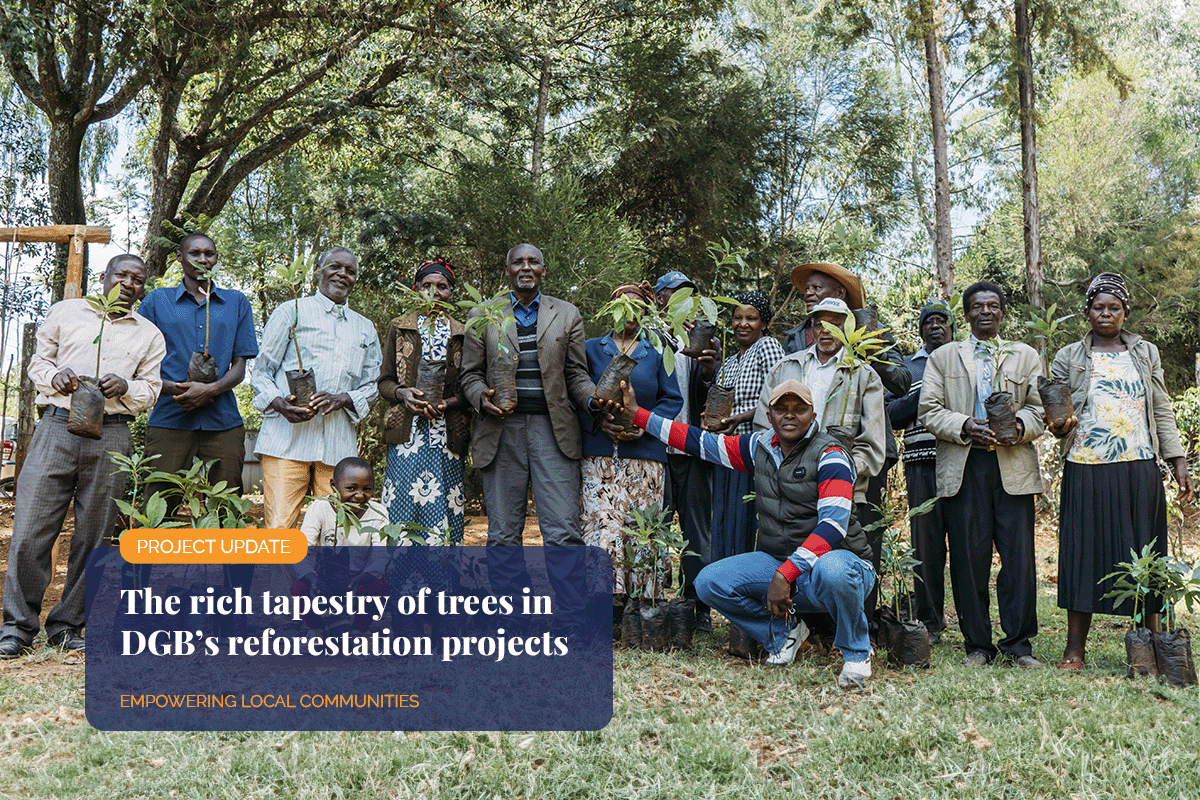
(193, 419)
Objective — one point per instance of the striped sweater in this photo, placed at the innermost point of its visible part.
(835, 478)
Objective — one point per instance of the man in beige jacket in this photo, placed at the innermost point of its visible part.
(988, 483)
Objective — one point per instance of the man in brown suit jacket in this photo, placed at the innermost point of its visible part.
(538, 441)
(987, 482)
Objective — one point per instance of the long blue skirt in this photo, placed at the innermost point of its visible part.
(734, 522)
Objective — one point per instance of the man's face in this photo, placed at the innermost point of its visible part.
(336, 279)
(818, 287)
(984, 315)
(355, 486)
(791, 418)
(130, 275)
(663, 297)
(827, 344)
(197, 255)
(525, 269)
(935, 332)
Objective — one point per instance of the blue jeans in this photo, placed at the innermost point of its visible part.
(837, 585)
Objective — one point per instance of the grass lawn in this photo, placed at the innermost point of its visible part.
(687, 726)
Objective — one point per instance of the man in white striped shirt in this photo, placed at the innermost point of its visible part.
(299, 446)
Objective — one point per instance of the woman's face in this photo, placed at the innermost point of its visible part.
(438, 283)
(748, 325)
(1106, 313)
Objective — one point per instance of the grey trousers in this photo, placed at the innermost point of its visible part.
(528, 452)
(176, 449)
(59, 467)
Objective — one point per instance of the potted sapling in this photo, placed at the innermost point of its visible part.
(648, 560)
(1056, 393)
(302, 383)
(661, 328)
(860, 348)
(495, 315)
(1002, 418)
(202, 368)
(87, 401)
(430, 379)
(1165, 654)
(906, 639)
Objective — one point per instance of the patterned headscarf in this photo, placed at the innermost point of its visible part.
(643, 290)
(439, 265)
(759, 301)
(1109, 283)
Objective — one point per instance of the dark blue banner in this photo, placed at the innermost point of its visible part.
(408, 638)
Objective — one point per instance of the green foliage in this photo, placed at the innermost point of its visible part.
(494, 312)
(896, 561)
(861, 348)
(104, 305)
(996, 351)
(1148, 573)
(421, 302)
(653, 545)
(662, 326)
(1044, 327)
(199, 503)
(296, 276)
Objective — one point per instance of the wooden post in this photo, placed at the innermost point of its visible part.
(25, 404)
(77, 235)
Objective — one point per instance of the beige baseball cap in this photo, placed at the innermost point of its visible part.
(791, 386)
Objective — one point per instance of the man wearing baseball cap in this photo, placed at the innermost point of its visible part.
(811, 551)
(689, 480)
(823, 281)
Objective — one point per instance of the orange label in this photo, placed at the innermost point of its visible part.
(213, 546)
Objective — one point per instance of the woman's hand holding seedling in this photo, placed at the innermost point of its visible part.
(1059, 431)
(411, 397)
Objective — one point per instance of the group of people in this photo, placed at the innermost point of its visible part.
(774, 499)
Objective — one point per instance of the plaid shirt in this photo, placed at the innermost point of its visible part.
(746, 372)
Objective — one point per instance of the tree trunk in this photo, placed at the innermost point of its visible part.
(63, 179)
(1033, 235)
(943, 274)
(539, 123)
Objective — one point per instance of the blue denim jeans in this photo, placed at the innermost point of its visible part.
(837, 585)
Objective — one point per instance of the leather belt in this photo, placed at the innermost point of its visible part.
(62, 412)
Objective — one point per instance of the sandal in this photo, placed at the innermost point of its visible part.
(1075, 664)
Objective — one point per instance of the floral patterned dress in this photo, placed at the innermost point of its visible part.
(1112, 425)
(1112, 499)
(424, 480)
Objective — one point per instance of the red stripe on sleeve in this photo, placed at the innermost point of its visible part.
(733, 449)
(816, 545)
(641, 418)
(677, 435)
(789, 570)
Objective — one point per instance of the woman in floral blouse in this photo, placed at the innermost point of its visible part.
(1112, 494)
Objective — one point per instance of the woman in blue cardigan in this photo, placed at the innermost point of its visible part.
(624, 469)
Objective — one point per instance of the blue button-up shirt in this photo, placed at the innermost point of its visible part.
(181, 319)
(526, 315)
(342, 348)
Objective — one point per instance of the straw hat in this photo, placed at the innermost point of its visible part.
(853, 286)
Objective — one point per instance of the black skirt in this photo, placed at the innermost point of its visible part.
(1106, 511)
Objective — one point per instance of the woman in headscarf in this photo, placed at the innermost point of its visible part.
(1112, 494)
(423, 483)
(734, 521)
(622, 468)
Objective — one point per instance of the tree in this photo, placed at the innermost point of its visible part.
(80, 64)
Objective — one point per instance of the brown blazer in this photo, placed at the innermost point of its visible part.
(401, 355)
(565, 379)
(948, 399)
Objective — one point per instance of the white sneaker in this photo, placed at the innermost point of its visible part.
(791, 645)
(854, 674)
